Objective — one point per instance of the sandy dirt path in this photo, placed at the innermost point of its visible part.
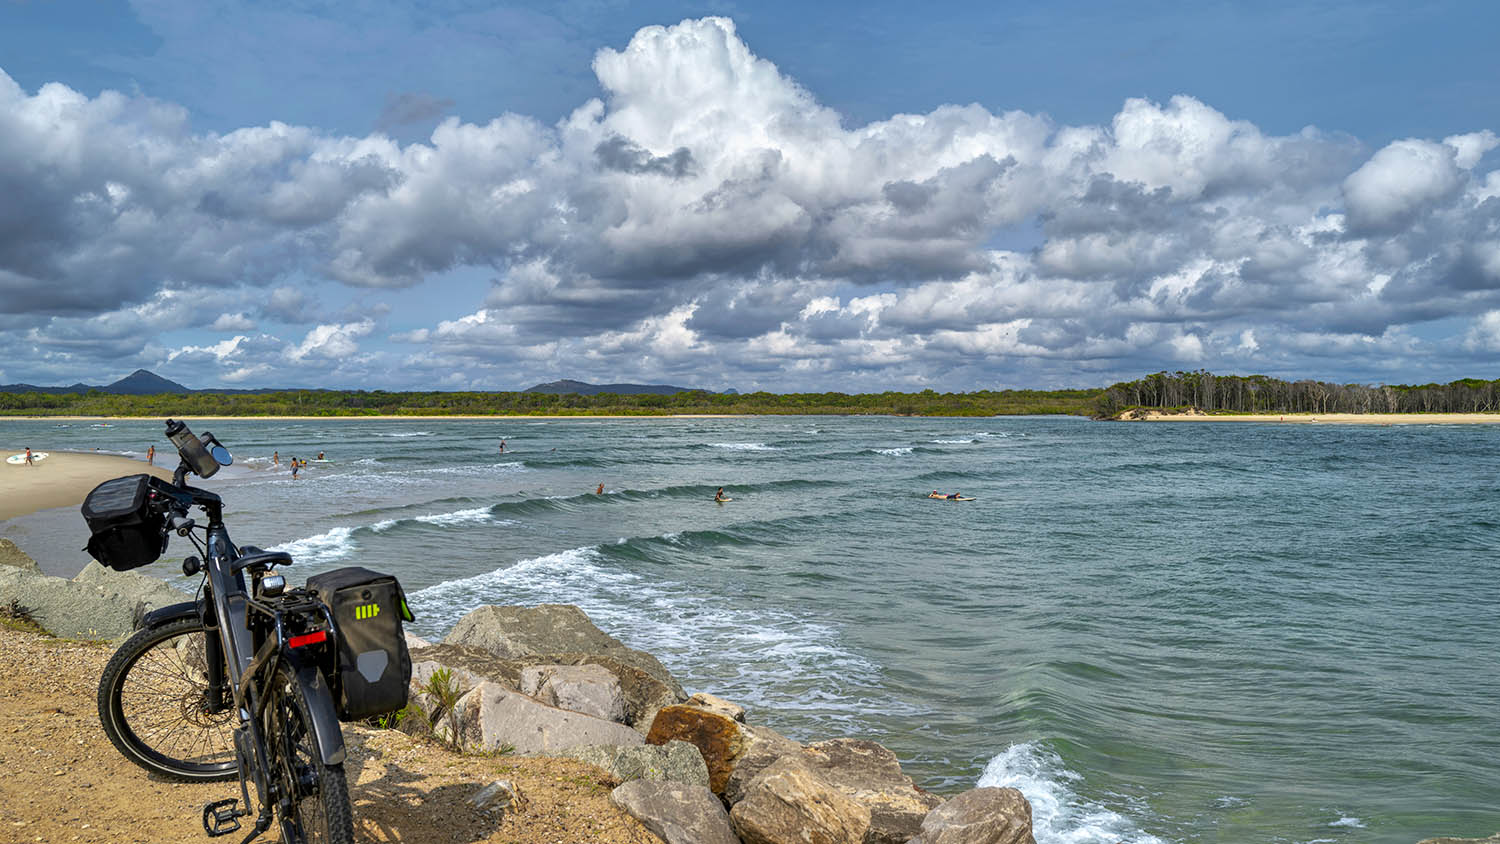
(62, 781)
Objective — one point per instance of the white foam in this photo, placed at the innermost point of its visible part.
(334, 544)
(457, 517)
(1348, 821)
(953, 442)
(405, 434)
(1058, 814)
(689, 630)
(744, 446)
(892, 452)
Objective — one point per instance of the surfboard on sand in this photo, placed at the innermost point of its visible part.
(18, 459)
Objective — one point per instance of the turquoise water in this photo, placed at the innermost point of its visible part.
(1177, 633)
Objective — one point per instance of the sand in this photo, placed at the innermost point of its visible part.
(63, 479)
(1328, 418)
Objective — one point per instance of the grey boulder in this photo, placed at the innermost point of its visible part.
(675, 761)
(11, 555)
(492, 717)
(98, 604)
(590, 689)
(979, 816)
(677, 813)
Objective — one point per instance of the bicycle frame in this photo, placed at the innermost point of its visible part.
(232, 647)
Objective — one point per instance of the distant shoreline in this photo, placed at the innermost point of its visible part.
(389, 417)
(1318, 418)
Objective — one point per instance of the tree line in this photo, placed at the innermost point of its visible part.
(383, 403)
(1262, 394)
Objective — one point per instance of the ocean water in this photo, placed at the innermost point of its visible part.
(1217, 632)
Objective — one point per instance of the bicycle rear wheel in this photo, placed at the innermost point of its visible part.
(317, 809)
(157, 707)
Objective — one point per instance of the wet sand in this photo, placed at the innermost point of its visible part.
(63, 478)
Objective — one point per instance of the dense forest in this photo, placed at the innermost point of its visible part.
(1202, 390)
(378, 402)
(1261, 394)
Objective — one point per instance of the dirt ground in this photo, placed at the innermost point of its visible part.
(62, 781)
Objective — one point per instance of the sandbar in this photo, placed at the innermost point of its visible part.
(64, 478)
(1325, 418)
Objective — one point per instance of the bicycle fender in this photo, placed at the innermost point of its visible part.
(325, 721)
(167, 614)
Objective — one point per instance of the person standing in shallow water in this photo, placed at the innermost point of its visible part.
(275, 458)
(150, 455)
(502, 446)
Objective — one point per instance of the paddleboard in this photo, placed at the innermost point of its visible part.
(930, 498)
(320, 461)
(19, 459)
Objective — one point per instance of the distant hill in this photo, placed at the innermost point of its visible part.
(137, 383)
(582, 389)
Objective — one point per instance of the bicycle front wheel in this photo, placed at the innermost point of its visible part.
(162, 711)
(312, 798)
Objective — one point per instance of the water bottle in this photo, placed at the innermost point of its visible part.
(191, 448)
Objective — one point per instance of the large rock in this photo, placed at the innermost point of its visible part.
(644, 692)
(11, 555)
(760, 747)
(979, 816)
(870, 774)
(492, 717)
(675, 761)
(718, 737)
(590, 689)
(677, 813)
(98, 604)
(512, 632)
(790, 804)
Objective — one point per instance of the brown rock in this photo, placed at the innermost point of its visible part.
(790, 804)
(979, 816)
(761, 747)
(716, 736)
(870, 774)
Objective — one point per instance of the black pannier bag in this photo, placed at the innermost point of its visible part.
(373, 667)
(126, 529)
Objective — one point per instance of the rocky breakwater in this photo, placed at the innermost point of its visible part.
(544, 680)
(97, 604)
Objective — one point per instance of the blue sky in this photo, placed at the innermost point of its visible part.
(771, 195)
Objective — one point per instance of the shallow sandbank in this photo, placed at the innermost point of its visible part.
(1327, 418)
(62, 479)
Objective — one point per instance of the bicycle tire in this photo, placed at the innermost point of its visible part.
(320, 811)
(153, 705)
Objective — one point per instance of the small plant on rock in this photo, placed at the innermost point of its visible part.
(444, 690)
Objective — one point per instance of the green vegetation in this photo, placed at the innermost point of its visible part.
(381, 403)
(1263, 394)
(443, 688)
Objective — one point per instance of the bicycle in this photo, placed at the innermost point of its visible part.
(252, 678)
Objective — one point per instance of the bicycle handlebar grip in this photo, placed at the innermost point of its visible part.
(191, 448)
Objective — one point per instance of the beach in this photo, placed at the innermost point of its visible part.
(1323, 418)
(61, 479)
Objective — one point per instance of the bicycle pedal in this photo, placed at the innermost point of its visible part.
(222, 817)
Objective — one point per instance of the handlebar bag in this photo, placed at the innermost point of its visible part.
(373, 667)
(128, 529)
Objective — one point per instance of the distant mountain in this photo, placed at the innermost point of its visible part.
(567, 386)
(137, 383)
(143, 383)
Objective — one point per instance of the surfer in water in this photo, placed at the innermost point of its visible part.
(320, 455)
(939, 495)
(600, 490)
(719, 496)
